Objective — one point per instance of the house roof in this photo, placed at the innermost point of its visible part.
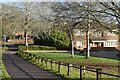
(22, 33)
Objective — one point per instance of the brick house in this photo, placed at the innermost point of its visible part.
(97, 39)
(19, 37)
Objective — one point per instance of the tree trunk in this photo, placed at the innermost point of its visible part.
(72, 45)
(26, 40)
(88, 45)
(72, 49)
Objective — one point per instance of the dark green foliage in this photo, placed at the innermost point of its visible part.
(36, 47)
(21, 48)
(57, 38)
(42, 41)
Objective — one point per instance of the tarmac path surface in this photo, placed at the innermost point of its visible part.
(20, 69)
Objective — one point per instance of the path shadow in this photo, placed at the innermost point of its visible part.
(20, 69)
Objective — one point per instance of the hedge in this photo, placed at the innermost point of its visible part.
(36, 47)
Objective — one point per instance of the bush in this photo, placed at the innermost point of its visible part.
(21, 48)
(57, 38)
(42, 41)
(36, 47)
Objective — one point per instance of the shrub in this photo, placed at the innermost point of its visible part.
(21, 48)
(57, 38)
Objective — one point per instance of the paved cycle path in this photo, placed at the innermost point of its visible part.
(20, 69)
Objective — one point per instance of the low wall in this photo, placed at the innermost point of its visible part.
(17, 41)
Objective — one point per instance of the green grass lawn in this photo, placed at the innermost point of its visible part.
(5, 75)
(79, 59)
(107, 65)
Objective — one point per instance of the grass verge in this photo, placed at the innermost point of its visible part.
(4, 75)
(105, 64)
(79, 59)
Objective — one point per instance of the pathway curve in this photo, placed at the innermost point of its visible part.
(20, 69)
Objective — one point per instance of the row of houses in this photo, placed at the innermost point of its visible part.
(97, 39)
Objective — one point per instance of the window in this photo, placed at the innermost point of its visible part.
(80, 43)
(81, 32)
(99, 33)
(94, 32)
(77, 32)
(111, 43)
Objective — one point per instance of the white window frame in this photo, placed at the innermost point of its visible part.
(80, 43)
(79, 32)
(82, 32)
(111, 43)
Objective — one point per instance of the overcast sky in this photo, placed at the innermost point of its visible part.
(31, 0)
(57, 0)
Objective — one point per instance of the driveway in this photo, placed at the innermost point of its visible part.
(112, 54)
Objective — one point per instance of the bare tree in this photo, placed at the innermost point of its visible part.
(8, 24)
(111, 8)
(26, 16)
(79, 13)
(70, 14)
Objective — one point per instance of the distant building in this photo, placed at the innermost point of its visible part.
(20, 34)
(97, 39)
(19, 37)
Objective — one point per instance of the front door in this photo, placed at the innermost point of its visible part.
(102, 45)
